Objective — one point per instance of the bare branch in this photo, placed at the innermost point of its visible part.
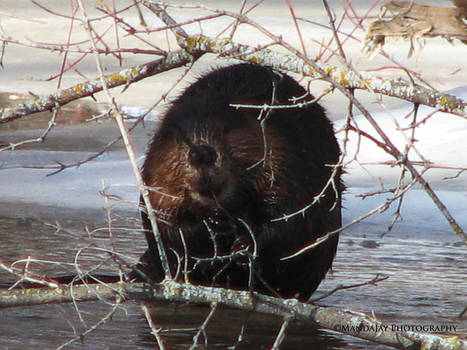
(41, 138)
(343, 321)
(164, 16)
(154, 330)
(373, 281)
(29, 277)
(202, 328)
(281, 335)
(125, 77)
(130, 151)
(199, 44)
(91, 329)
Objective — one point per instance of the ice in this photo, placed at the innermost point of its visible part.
(137, 112)
(442, 140)
(75, 187)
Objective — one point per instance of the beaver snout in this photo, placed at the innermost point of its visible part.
(208, 180)
(202, 155)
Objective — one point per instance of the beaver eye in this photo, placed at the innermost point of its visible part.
(202, 155)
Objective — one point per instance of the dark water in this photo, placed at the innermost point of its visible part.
(427, 284)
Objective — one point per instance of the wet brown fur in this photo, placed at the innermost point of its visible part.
(210, 183)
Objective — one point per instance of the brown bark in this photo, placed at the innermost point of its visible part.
(411, 20)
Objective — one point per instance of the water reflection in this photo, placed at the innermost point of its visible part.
(234, 329)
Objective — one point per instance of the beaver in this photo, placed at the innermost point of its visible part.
(235, 152)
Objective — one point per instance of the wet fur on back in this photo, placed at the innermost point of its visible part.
(220, 175)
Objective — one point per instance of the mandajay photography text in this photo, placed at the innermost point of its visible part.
(431, 328)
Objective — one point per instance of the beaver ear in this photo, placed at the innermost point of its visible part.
(175, 132)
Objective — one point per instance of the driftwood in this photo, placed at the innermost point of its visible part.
(411, 20)
(342, 321)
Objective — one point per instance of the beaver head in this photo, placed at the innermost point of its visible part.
(199, 166)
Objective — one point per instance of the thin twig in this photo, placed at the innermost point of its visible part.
(332, 21)
(281, 335)
(154, 330)
(202, 328)
(297, 27)
(50, 125)
(130, 151)
(91, 329)
(373, 281)
(125, 77)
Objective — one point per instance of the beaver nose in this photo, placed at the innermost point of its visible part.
(202, 155)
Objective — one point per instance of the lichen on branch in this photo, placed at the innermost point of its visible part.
(123, 78)
(343, 321)
(199, 44)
